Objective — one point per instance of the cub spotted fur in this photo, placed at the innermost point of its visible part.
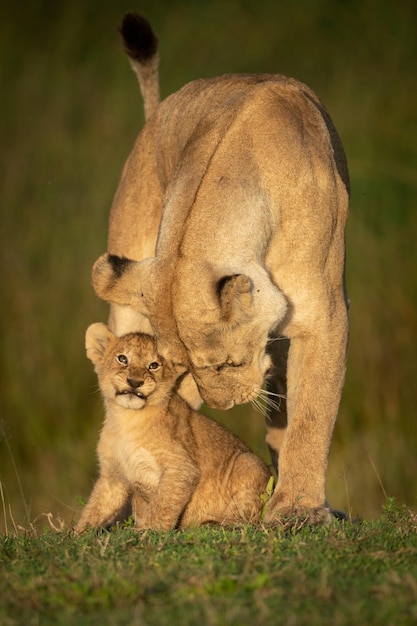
(172, 465)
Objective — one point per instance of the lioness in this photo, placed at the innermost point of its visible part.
(226, 233)
(176, 467)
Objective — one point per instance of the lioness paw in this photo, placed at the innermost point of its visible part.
(294, 518)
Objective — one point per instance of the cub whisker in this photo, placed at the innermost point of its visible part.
(94, 391)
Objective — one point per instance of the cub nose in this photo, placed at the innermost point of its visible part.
(135, 383)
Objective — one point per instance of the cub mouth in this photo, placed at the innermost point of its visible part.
(127, 392)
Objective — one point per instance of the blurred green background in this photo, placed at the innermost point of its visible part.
(70, 111)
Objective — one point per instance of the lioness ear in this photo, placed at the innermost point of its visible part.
(97, 338)
(235, 295)
(121, 281)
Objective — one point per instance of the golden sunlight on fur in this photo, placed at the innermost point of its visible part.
(226, 242)
(171, 466)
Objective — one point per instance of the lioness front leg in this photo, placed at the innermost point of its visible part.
(105, 504)
(315, 375)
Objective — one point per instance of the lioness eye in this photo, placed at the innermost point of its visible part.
(122, 359)
(153, 366)
(228, 363)
(222, 366)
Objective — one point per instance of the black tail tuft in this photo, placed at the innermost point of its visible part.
(139, 40)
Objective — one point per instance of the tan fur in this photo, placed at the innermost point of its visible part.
(233, 205)
(173, 466)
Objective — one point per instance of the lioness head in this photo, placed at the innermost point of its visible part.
(219, 332)
(130, 371)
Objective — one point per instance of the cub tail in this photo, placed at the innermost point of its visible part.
(141, 46)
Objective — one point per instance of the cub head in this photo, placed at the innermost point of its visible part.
(130, 371)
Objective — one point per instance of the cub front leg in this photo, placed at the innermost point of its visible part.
(142, 495)
(167, 504)
(106, 504)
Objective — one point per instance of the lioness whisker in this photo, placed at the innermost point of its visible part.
(273, 339)
(273, 405)
(259, 407)
(266, 401)
(267, 392)
(261, 404)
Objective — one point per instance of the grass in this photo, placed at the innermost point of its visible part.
(70, 110)
(346, 573)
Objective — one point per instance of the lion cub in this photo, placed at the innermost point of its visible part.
(173, 466)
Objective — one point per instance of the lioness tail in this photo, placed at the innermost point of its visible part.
(141, 46)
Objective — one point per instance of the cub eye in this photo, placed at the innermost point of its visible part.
(122, 359)
(153, 366)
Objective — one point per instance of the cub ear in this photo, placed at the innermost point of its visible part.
(235, 296)
(120, 280)
(97, 338)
